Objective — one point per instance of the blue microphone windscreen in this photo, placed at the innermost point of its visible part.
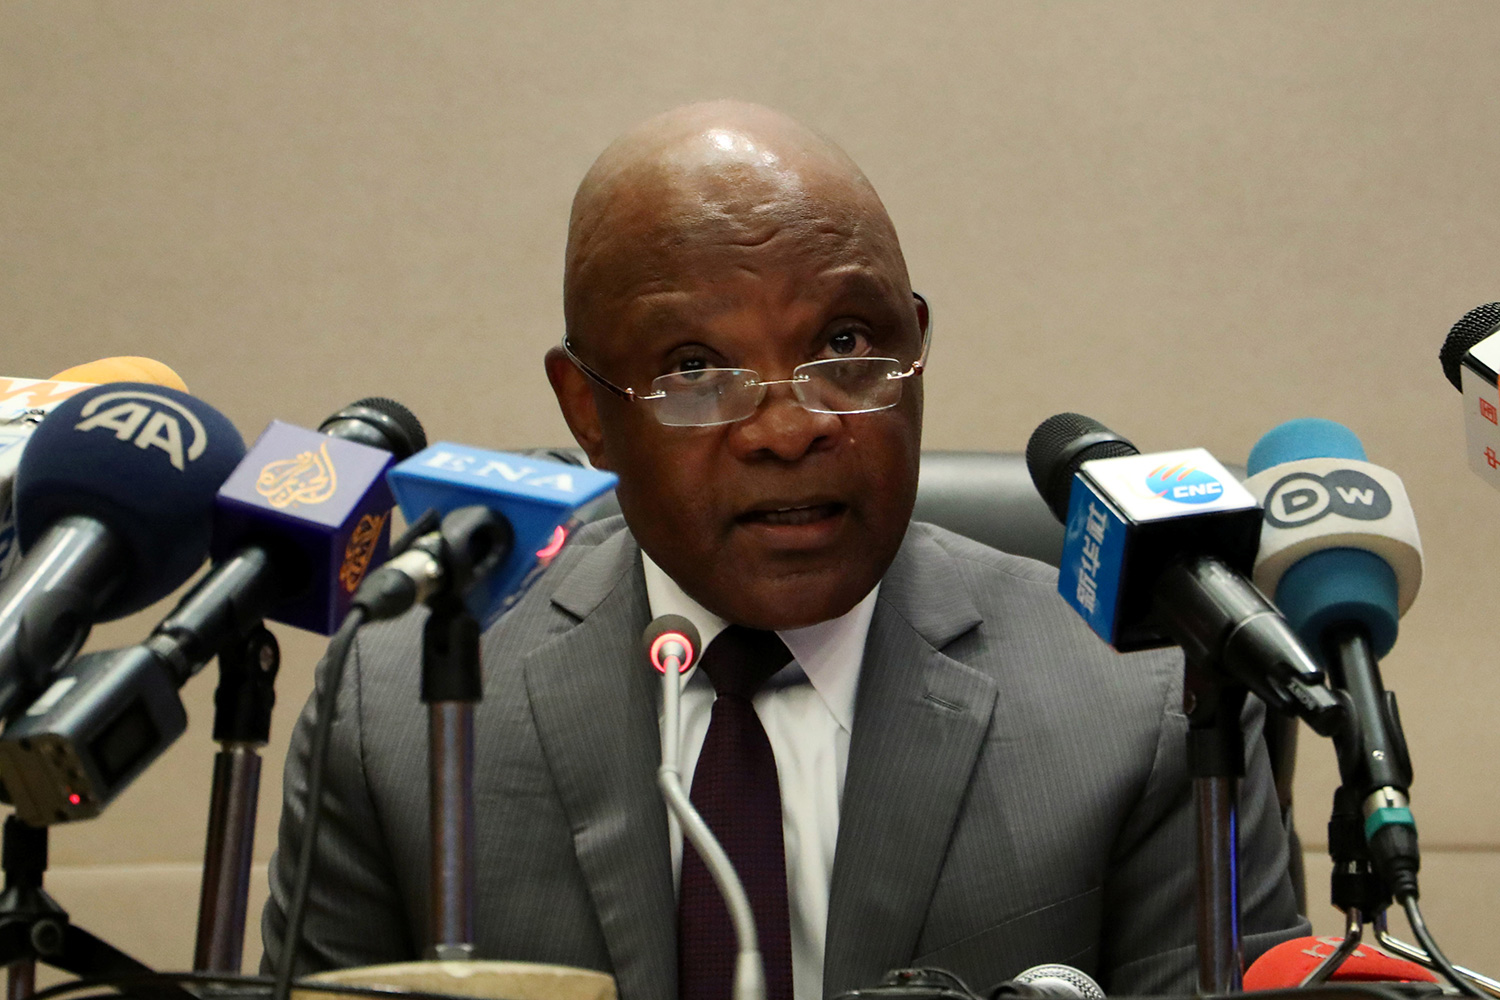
(144, 460)
(537, 496)
(1303, 438)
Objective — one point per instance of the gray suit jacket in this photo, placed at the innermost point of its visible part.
(1016, 791)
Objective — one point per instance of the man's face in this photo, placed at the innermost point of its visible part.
(788, 517)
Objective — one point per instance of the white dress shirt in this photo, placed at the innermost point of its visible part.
(807, 710)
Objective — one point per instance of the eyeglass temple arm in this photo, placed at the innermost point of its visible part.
(600, 379)
(921, 362)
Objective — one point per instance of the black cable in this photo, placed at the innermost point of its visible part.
(1408, 903)
(327, 699)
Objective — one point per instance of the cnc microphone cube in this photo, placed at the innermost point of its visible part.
(322, 505)
(539, 497)
(1129, 517)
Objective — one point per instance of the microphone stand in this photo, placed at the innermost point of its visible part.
(452, 685)
(242, 726)
(1359, 891)
(1356, 888)
(1216, 762)
(33, 927)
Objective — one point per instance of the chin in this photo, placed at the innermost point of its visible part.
(795, 602)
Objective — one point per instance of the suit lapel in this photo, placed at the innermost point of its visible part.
(594, 702)
(920, 721)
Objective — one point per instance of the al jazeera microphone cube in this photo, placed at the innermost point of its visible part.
(1130, 517)
(321, 505)
(538, 496)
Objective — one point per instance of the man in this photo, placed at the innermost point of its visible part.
(967, 778)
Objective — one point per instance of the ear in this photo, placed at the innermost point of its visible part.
(924, 313)
(575, 397)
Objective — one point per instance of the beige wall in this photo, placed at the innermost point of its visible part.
(1191, 220)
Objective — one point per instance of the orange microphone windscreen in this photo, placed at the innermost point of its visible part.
(123, 369)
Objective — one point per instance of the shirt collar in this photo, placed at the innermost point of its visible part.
(828, 653)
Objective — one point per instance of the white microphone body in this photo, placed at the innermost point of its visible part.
(1327, 503)
(23, 404)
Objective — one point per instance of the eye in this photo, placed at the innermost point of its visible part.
(850, 340)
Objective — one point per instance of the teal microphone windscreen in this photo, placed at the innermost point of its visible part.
(1339, 542)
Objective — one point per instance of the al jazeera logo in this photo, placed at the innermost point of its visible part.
(302, 481)
(359, 550)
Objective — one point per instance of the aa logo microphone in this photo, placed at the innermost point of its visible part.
(148, 420)
(1304, 497)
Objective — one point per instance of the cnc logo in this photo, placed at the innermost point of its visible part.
(1184, 484)
(150, 421)
(360, 548)
(308, 479)
(1302, 498)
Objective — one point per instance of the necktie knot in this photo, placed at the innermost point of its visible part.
(741, 659)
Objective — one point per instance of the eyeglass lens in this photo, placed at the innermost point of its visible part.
(724, 395)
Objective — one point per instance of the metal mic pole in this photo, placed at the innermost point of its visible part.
(1216, 761)
(242, 725)
(451, 686)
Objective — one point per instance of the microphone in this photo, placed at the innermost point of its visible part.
(537, 499)
(23, 404)
(1288, 965)
(1156, 553)
(1470, 357)
(123, 368)
(1340, 552)
(300, 519)
(1051, 980)
(316, 506)
(671, 643)
(114, 503)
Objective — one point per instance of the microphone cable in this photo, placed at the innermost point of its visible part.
(1408, 901)
(329, 682)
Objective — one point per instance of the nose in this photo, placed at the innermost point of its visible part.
(782, 428)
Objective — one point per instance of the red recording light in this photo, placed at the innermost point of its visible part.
(552, 548)
(75, 798)
(684, 649)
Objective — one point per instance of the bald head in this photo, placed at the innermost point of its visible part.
(718, 175)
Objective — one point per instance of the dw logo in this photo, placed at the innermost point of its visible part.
(1302, 498)
(1184, 484)
(151, 421)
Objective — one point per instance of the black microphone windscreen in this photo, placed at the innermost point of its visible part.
(380, 423)
(1061, 444)
(1476, 324)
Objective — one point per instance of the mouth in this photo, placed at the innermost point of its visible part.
(792, 515)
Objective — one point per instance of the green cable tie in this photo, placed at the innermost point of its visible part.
(1386, 816)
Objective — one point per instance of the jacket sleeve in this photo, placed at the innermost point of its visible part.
(1150, 930)
(354, 914)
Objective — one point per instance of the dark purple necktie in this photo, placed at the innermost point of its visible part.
(735, 789)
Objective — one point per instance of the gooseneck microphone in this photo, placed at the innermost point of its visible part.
(114, 503)
(672, 645)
